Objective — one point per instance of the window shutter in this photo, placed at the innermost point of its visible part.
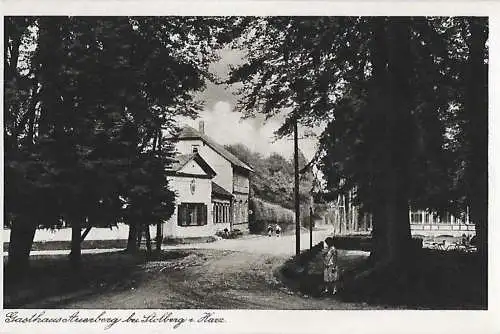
(185, 214)
(180, 213)
(204, 214)
(198, 215)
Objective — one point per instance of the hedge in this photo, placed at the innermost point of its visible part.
(265, 213)
(364, 242)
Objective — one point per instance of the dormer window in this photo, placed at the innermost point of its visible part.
(195, 148)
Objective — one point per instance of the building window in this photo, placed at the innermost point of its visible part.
(195, 148)
(191, 214)
(214, 213)
(221, 212)
(446, 219)
(416, 218)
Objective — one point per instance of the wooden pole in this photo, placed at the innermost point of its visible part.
(296, 188)
(310, 227)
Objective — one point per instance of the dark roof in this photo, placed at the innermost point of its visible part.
(218, 190)
(188, 132)
(181, 160)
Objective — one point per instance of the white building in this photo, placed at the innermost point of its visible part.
(423, 222)
(212, 187)
(191, 179)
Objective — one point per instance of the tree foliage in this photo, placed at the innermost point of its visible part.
(393, 92)
(86, 101)
(273, 177)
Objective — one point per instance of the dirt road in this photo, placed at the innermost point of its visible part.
(212, 276)
(208, 279)
(283, 245)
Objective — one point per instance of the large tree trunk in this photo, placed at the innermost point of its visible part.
(391, 234)
(22, 234)
(400, 137)
(159, 236)
(391, 61)
(476, 110)
(398, 224)
(76, 246)
(132, 238)
(149, 249)
(379, 234)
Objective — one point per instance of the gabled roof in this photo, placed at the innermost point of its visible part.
(188, 132)
(219, 191)
(181, 160)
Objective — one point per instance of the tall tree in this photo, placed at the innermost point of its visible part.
(386, 87)
(103, 90)
(23, 170)
(474, 131)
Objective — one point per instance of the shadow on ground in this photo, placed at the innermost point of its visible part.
(53, 279)
(432, 280)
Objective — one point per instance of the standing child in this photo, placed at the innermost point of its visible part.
(269, 230)
(331, 270)
(278, 230)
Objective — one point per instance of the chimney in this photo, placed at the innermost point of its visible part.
(201, 127)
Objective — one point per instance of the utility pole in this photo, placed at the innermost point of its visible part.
(297, 203)
(310, 227)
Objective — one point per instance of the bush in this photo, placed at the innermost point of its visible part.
(364, 242)
(220, 234)
(229, 235)
(306, 256)
(354, 242)
(264, 213)
(297, 270)
(235, 234)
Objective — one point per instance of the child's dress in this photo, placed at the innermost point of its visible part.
(330, 274)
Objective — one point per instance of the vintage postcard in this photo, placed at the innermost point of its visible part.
(249, 167)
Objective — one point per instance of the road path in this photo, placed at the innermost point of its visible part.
(257, 244)
(283, 245)
(227, 274)
(206, 279)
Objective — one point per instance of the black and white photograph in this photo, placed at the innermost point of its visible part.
(245, 163)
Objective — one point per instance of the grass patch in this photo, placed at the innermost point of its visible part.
(304, 273)
(194, 240)
(53, 277)
(66, 245)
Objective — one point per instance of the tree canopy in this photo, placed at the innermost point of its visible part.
(395, 92)
(86, 101)
(272, 179)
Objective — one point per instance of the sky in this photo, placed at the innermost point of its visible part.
(226, 126)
